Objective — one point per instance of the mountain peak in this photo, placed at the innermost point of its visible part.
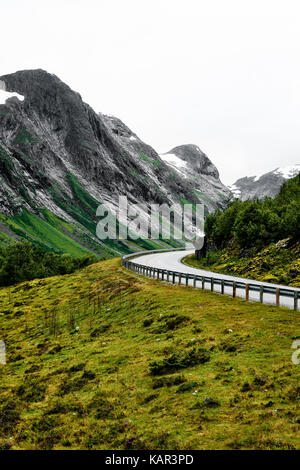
(24, 80)
(37, 87)
(194, 157)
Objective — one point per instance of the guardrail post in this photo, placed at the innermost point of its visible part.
(295, 300)
(234, 289)
(261, 294)
(277, 297)
(222, 286)
(203, 282)
(194, 282)
(163, 275)
(247, 292)
(212, 284)
(173, 280)
(168, 276)
(179, 279)
(187, 280)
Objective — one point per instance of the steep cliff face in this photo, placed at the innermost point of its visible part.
(262, 186)
(59, 157)
(194, 167)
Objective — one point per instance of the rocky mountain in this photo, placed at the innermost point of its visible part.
(265, 185)
(60, 161)
(194, 167)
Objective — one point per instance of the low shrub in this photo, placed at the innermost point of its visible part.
(179, 361)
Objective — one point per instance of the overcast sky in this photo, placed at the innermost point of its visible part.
(224, 75)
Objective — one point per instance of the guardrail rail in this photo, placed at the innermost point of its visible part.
(201, 281)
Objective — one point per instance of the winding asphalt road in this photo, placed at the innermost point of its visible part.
(172, 262)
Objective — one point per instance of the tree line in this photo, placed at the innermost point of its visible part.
(23, 262)
(255, 224)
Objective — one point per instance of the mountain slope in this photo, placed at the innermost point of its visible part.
(191, 164)
(266, 185)
(59, 160)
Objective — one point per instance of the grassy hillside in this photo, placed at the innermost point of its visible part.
(278, 263)
(52, 233)
(106, 359)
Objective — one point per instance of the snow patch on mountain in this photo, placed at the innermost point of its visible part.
(5, 95)
(288, 172)
(264, 185)
(235, 190)
(173, 160)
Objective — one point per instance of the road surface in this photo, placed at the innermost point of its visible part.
(172, 262)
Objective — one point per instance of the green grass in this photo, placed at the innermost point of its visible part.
(48, 235)
(5, 239)
(106, 359)
(204, 197)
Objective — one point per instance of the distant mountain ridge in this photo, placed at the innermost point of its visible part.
(265, 185)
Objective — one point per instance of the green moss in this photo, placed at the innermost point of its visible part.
(145, 158)
(23, 137)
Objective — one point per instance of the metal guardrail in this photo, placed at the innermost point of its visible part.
(171, 276)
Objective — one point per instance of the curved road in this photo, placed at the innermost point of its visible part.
(172, 261)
